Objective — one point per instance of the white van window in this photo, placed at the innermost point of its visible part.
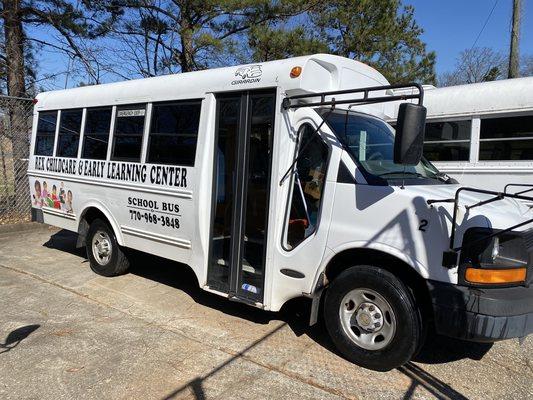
(69, 133)
(448, 140)
(174, 132)
(96, 133)
(128, 135)
(46, 130)
(508, 138)
(308, 187)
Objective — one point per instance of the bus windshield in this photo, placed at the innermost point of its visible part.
(370, 141)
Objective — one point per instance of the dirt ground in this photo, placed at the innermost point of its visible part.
(67, 333)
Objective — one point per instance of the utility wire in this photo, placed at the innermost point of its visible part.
(485, 24)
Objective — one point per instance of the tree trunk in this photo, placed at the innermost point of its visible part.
(14, 37)
(17, 110)
(186, 57)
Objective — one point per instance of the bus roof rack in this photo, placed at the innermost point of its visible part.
(288, 101)
(525, 185)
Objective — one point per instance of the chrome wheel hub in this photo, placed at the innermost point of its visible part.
(367, 319)
(101, 247)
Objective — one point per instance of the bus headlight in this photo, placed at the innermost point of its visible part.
(496, 260)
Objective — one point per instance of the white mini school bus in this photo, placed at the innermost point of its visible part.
(281, 179)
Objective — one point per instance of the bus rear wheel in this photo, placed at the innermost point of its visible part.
(103, 251)
(372, 318)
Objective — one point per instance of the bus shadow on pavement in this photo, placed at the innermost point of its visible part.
(182, 277)
(442, 349)
(65, 241)
(294, 314)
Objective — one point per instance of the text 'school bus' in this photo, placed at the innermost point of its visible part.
(482, 134)
(281, 179)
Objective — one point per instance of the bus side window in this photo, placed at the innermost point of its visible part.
(448, 140)
(308, 186)
(128, 135)
(46, 130)
(96, 133)
(69, 133)
(506, 138)
(174, 132)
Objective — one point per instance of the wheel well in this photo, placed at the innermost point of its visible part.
(93, 213)
(409, 276)
(88, 216)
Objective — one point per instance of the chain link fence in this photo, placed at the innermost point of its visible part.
(15, 133)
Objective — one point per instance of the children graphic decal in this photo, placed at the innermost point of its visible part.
(68, 202)
(45, 190)
(37, 196)
(62, 201)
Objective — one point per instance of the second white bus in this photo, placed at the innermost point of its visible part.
(482, 134)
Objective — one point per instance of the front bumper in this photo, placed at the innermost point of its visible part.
(482, 315)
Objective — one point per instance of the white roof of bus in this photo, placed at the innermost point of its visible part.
(320, 72)
(477, 99)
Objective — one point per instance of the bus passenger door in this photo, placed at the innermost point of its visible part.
(240, 203)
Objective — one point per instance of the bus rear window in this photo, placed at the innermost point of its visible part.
(46, 129)
(69, 133)
(128, 136)
(173, 133)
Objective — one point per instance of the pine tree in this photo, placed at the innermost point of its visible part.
(381, 33)
(184, 35)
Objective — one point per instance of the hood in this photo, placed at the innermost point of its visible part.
(499, 214)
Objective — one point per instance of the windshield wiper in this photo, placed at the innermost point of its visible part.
(446, 178)
(417, 174)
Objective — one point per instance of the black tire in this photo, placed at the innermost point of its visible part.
(407, 334)
(117, 263)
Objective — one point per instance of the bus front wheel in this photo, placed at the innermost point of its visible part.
(103, 251)
(372, 318)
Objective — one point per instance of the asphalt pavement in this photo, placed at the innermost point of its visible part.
(66, 333)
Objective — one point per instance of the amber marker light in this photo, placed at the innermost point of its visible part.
(295, 72)
(495, 276)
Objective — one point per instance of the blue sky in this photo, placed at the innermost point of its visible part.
(453, 25)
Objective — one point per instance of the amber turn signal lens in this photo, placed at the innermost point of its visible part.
(495, 276)
(295, 72)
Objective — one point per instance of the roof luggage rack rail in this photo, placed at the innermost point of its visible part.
(366, 99)
(530, 186)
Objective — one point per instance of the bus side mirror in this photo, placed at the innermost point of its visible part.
(410, 129)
